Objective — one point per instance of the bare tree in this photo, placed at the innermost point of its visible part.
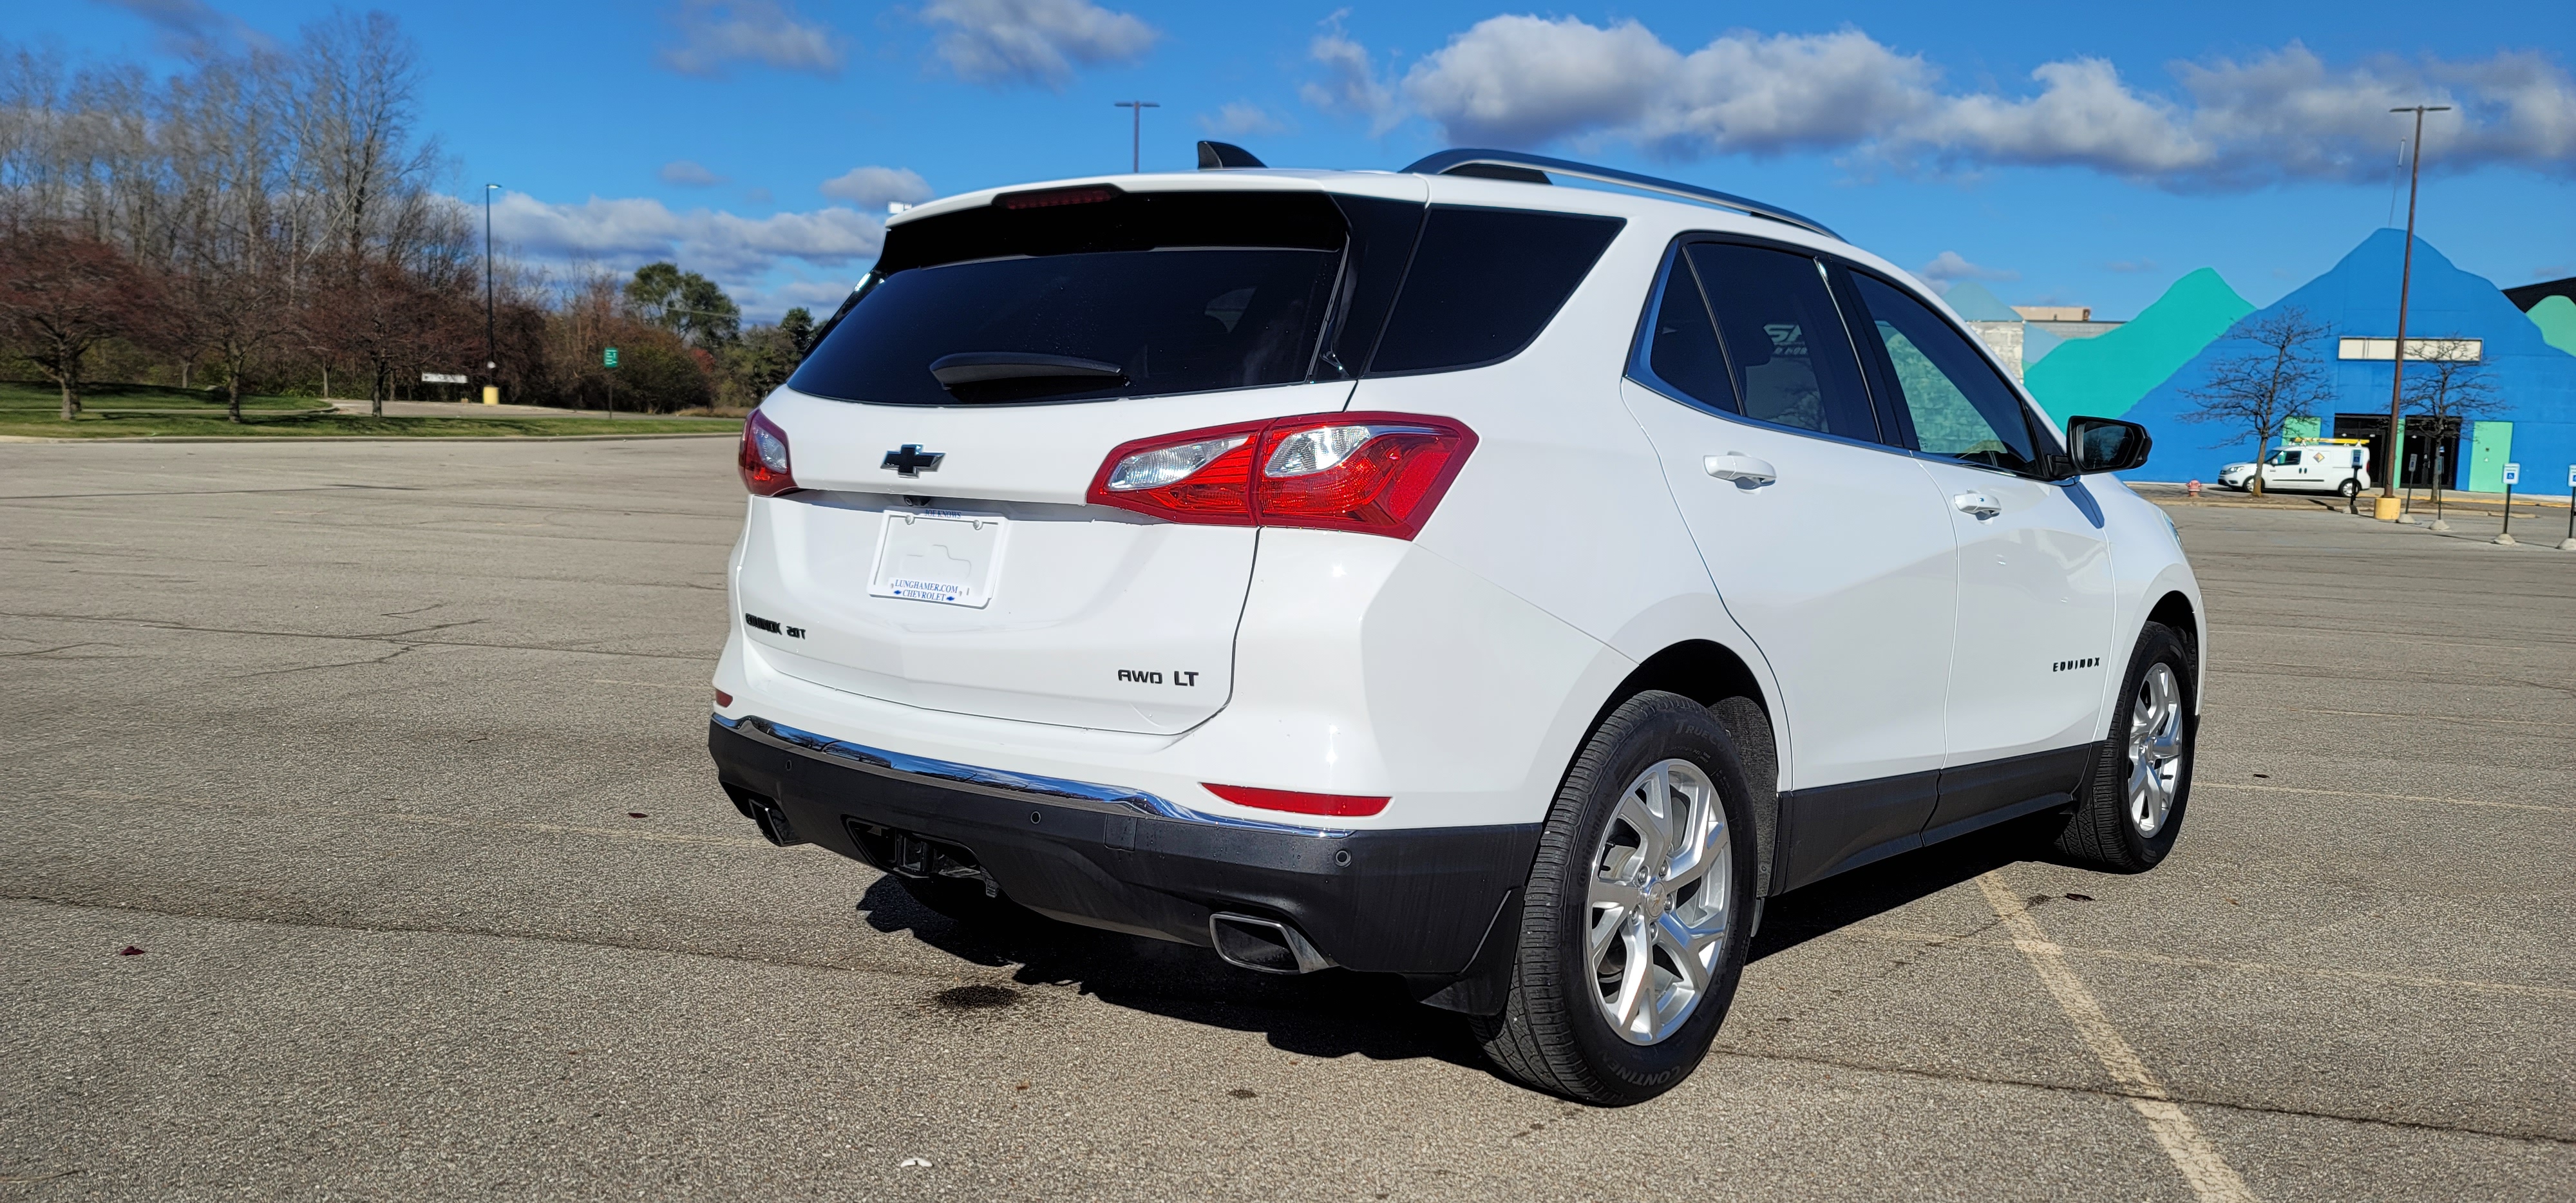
(2448, 382)
(2274, 374)
(66, 294)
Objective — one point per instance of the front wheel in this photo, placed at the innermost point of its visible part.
(2129, 809)
(1636, 919)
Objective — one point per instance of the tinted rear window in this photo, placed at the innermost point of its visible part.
(1176, 321)
(1483, 283)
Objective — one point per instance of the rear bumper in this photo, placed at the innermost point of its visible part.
(1416, 901)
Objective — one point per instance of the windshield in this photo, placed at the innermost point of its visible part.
(1166, 321)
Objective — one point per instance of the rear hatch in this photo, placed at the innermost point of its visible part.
(949, 424)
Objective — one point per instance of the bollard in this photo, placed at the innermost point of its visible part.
(2385, 508)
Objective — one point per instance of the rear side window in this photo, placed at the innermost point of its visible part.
(1483, 283)
(1682, 350)
(1958, 406)
(1790, 359)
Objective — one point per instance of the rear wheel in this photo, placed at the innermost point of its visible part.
(2351, 487)
(1636, 918)
(2129, 809)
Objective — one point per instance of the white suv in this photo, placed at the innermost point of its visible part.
(1439, 573)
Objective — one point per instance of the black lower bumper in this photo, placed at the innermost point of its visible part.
(1418, 902)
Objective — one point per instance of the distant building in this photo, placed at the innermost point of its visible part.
(2022, 335)
(2149, 370)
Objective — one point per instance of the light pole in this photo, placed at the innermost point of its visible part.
(1136, 145)
(491, 359)
(2405, 279)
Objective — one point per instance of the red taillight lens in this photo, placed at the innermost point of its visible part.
(765, 468)
(1379, 473)
(723, 698)
(1335, 805)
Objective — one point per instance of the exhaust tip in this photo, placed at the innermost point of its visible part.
(1264, 945)
(774, 824)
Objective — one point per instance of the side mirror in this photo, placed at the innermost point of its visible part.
(2107, 444)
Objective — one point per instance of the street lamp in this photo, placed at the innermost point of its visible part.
(2397, 366)
(1136, 145)
(491, 361)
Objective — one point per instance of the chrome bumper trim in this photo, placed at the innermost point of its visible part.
(1082, 795)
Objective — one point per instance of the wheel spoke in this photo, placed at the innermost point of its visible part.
(1606, 922)
(1636, 975)
(1687, 946)
(1651, 840)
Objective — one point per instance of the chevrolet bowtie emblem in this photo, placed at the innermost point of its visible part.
(911, 460)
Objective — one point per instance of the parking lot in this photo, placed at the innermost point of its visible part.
(363, 844)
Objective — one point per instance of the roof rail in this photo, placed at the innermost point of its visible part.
(1466, 162)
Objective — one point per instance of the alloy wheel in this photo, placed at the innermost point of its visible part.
(1657, 919)
(2155, 748)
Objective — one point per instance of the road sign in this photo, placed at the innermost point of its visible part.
(608, 358)
(2513, 474)
(442, 378)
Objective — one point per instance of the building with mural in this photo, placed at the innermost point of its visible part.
(2148, 370)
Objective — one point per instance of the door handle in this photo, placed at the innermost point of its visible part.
(1740, 468)
(1976, 505)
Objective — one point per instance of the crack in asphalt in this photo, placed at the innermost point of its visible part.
(2540, 1138)
(388, 637)
(555, 940)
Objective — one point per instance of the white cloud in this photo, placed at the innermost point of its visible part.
(688, 173)
(1950, 267)
(1034, 41)
(1350, 84)
(872, 187)
(2284, 115)
(1240, 118)
(729, 248)
(716, 33)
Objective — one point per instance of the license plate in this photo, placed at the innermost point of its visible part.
(939, 556)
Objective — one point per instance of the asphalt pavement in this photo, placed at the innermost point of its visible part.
(364, 846)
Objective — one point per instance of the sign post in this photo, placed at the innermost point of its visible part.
(2512, 477)
(608, 359)
(2570, 544)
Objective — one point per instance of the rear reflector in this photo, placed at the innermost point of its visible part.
(1336, 805)
(1376, 473)
(723, 698)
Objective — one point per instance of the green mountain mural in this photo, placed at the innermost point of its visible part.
(2102, 377)
(2556, 317)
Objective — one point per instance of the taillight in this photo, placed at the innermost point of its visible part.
(764, 457)
(1298, 801)
(1378, 473)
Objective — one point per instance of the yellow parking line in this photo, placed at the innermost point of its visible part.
(2345, 793)
(1904, 936)
(2210, 1177)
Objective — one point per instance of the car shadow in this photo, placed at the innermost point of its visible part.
(1332, 1013)
(1337, 1013)
(1865, 893)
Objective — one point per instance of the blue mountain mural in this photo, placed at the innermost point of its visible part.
(2534, 381)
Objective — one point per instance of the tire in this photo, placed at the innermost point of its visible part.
(1557, 1032)
(2126, 819)
(2350, 488)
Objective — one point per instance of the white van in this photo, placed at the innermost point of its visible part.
(2308, 465)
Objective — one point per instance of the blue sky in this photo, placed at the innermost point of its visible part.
(2068, 154)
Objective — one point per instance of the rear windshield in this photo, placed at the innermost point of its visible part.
(1090, 293)
(1173, 321)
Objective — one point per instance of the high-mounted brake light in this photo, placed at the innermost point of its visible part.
(1378, 473)
(1337, 805)
(765, 469)
(1052, 197)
